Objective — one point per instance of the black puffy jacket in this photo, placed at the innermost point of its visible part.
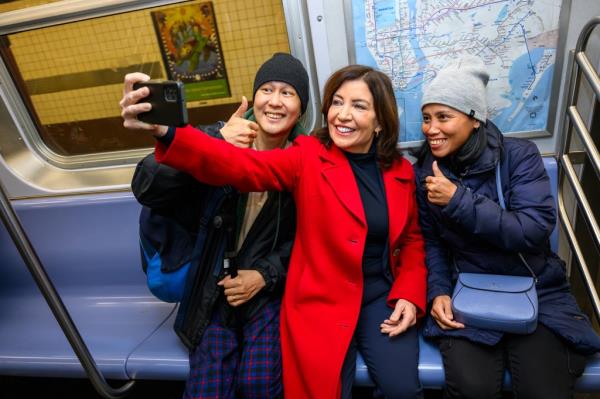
(175, 200)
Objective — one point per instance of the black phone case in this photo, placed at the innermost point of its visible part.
(168, 103)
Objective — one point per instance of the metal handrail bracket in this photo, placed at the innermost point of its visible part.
(580, 67)
(581, 198)
(581, 263)
(589, 71)
(586, 138)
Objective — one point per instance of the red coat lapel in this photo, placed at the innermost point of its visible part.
(338, 174)
(397, 183)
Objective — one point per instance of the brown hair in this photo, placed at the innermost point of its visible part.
(384, 103)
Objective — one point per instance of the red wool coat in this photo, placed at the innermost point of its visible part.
(324, 285)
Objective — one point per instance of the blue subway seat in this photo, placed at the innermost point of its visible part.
(431, 369)
(164, 357)
(89, 245)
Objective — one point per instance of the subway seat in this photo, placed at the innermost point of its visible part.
(431, 369)
(158, 359)
(89, 248)
(128, 331)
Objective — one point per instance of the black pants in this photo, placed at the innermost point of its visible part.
(392, 362)
(541, 366)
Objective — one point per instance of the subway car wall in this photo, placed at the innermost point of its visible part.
(67, 161)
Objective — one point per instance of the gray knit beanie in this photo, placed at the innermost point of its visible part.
(460, 85)
(286, 68)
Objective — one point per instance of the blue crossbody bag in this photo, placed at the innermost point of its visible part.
(497, 302)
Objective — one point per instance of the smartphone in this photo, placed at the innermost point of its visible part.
(168, 103)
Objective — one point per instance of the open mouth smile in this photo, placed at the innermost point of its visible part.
(344, 131)
(274, 116)
(437, 142)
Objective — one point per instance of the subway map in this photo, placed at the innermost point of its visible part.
(411, 40)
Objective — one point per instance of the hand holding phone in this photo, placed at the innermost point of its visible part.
(168, 103)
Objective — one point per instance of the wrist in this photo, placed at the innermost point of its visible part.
(160, 131)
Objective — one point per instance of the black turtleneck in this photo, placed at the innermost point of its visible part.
(372, 192)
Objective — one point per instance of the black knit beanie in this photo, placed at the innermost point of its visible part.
(286, 68)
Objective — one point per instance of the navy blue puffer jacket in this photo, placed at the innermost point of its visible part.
(472, 233)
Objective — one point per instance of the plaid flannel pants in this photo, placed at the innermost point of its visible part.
(229, 365)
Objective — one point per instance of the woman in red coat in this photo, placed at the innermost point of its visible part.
(356, 279)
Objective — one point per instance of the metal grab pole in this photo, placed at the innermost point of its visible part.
(11, 221)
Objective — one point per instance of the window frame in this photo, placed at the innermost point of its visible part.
(39, 171)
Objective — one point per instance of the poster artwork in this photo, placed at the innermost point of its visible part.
(191, 49)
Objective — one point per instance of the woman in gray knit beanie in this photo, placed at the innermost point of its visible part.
(466, 230)
(460, 89)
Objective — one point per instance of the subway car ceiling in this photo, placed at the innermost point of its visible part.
(62, 66)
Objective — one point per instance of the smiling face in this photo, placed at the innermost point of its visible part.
(351, 118)
(446, 129)
(276, 108)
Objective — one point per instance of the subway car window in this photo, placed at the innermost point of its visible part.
(70, 75)
(8, 5)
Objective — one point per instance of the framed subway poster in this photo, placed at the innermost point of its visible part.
(191, 49)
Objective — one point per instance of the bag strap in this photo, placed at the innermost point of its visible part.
(499, 187)
(503, 206)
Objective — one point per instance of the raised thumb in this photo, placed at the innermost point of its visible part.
(436, 170)
(242, 108)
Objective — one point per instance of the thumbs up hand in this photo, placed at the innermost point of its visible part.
(436, 170)
(239, 131)
(439, 189)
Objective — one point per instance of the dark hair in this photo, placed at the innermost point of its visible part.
(384, 103)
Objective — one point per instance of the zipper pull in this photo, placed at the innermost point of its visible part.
(229, 265)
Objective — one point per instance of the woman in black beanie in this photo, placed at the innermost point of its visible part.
(230, 324)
